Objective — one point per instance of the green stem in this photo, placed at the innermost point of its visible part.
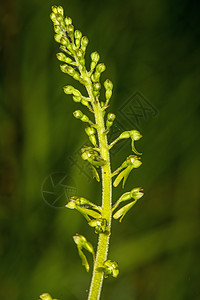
(103, 242)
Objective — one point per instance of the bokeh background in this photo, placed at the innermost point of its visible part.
(151, 50)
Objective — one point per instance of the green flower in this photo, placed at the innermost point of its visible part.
(92, 156)
(132, 162)
(82, 243)
(135, 194)
(109, 268)
(100, 225)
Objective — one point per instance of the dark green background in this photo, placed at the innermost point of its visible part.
(150, 48)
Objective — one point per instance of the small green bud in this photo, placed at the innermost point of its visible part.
(95, 77)
(95, 57)
(67, 69)
(108, 85)
(45, 296)
(60, 10)
(108, 95)
(76, 93)
(96, 89)
(84, 43)
(96, 86)
(65, 42)
(79, 115)
(62, 57)
(57, 29)
(68, 89)
(77, 99)
(90, 131)
(54, 19)
(59, 18)
(76, 76)
(100, 68)
(54, 9)
(77, 43)
(79, 53)
(58, 37)
(110, 119)
(77, 34)
(68, 21)
(70, 29)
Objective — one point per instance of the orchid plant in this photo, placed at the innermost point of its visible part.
(72, 57)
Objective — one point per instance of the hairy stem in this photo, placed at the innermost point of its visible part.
(103, 243)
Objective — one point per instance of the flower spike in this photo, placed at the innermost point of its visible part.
(72, 55)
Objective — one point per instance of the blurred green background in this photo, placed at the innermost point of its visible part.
(151, 50)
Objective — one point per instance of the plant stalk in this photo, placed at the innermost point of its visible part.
(103, 242)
